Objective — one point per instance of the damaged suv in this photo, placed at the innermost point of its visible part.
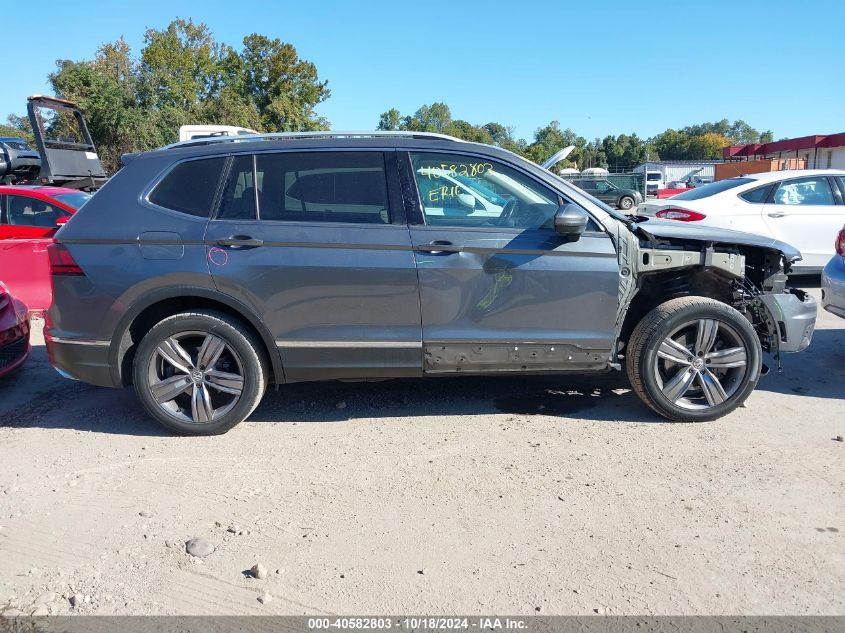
(205, 271)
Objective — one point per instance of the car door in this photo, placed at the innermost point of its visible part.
(28, 224)
(605, 192)
(317, 243)
(805, 212)
(505, 293)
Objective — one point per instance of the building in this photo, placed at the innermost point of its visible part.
(659, 174)
(820, 151)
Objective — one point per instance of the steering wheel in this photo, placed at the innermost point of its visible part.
(506, 218)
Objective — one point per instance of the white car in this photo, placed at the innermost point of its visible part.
(800, 207)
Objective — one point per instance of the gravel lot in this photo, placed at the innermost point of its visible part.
(518, 495)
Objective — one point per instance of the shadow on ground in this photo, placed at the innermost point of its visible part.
(37, 397)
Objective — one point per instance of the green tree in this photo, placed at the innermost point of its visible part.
(390, 120)
(183, 75)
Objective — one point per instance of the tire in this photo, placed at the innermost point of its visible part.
(626, 203)
(211, 364)
(721, 367)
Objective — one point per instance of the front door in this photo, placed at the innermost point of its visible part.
(806, 212)
(317, 244)
(505, 292)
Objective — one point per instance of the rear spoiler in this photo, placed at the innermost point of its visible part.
(68, 155)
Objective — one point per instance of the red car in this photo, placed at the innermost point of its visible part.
(14, 332)
(29, 216)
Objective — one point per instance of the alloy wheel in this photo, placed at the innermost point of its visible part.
(701, 364)
(195, 376)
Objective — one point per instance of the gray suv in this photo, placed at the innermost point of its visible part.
(205, 271)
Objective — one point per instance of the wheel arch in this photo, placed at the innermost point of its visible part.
(155, 306)
(658, 287)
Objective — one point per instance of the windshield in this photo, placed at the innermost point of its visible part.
(73, 200)
(652, 176)
(712, 188)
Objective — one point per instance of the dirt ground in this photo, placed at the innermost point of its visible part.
(518, 495)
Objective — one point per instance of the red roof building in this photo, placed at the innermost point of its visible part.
(820, 151)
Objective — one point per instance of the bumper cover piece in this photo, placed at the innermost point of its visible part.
(795, 313)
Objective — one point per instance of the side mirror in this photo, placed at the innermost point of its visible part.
(571, 221)
(61, 221)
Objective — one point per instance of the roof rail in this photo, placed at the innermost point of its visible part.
(284, 136)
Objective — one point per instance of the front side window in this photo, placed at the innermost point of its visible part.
(25, 211)
(602, 186)
(189, 187)
(346, 187)
(457, 190)
(804, 191)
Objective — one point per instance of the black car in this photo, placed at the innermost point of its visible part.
(18, 161)
(609, 193)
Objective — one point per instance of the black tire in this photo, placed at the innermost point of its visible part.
(235, 380)
(626, 203)
(658, 372)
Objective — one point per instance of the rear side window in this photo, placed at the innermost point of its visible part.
(757, 195)
(713, 188)
(189, 187)
(322, 187)
(238, 200)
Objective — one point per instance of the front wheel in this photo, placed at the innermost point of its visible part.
(626, 203)
(693, 359)
(199, 373)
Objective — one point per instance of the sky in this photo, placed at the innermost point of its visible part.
(598, 67)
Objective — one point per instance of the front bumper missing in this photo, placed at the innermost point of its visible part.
(794, 312)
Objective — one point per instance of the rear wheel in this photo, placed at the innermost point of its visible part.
(694, 359)
(626, 203)
(199, 373)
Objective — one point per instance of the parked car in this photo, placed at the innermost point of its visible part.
(833, 279)
(29, 217)
(204, 272)
(697, 181)
(18, 161)
(14, 331)
(801, 207)
(609, 193)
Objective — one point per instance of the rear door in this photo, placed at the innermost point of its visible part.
(26, 227)
(805, 212)
(317, 243)
(505, 293)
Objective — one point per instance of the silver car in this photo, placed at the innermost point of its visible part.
(205, 271)
(833, 279)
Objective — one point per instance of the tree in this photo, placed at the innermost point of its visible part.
(283, 87)
(390, 120)
(183, 75)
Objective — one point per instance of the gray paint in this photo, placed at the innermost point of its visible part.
(349, 301)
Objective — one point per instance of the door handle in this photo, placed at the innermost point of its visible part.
(435, 247)
(776, 215)
(240, 241)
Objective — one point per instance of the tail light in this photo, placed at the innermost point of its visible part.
(61, 261)
(840, 243)
(682, 215)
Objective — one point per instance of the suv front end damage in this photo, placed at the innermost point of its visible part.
(748, 272)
